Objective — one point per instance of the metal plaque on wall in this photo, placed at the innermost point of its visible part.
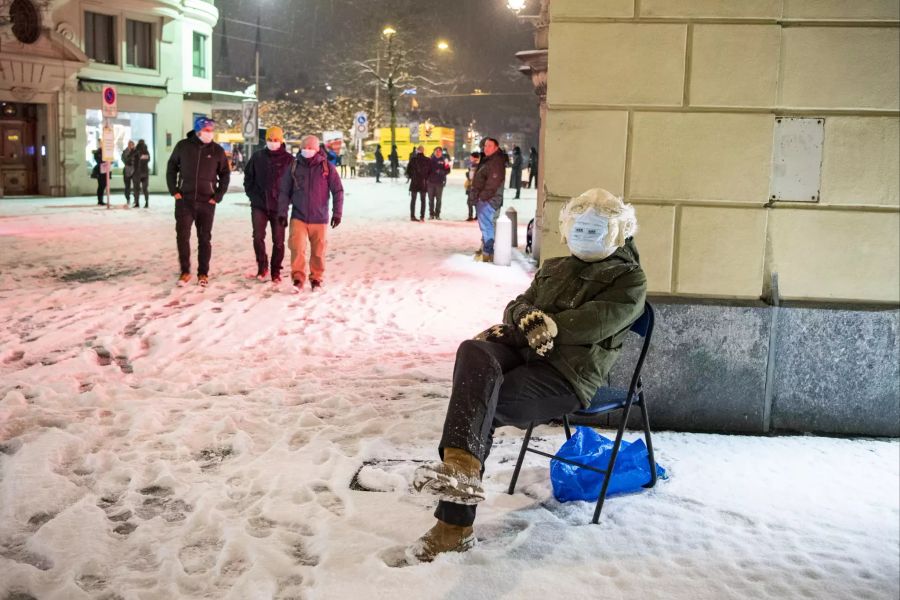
(797, 159)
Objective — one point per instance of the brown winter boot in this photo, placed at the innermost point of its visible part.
(441, 538)
(456, 479)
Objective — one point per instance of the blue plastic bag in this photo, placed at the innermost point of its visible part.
(587, 446)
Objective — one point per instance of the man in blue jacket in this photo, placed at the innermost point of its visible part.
(262, 181)
(305, 187)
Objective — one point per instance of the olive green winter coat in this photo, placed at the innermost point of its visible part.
(593, 305)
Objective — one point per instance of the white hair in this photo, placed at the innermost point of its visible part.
(622, 220)
(308, 137)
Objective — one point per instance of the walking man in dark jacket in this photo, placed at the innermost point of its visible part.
(262, 181)
(487, 193)
(197, 177)
(437, 179)
(379, 163)
(305, 187)
(532, 167)
(515, 173)
(417, 170)
(555, 347)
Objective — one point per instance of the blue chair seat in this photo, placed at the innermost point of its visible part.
(606, 399)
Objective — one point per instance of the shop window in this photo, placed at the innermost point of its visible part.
(100, 37)
(140, 46)
(199, 55)
(127, 126)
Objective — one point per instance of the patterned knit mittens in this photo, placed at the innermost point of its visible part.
(539, 329)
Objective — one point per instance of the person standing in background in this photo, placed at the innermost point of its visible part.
(140, 177)
(532, 167)
(437, 179)
(128, 170)
(515, 175)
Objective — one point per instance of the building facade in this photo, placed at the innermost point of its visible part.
(55, 57)
(759, 142)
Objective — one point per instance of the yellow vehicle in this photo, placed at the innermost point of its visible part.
(429, 136)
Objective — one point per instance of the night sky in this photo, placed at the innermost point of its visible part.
(307, 45)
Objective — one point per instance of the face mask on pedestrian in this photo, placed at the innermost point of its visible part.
(273, 146)
(205, 136)
(308, 153)
(595, 224)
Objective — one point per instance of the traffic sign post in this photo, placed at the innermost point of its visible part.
(109, 99)
(250, 122)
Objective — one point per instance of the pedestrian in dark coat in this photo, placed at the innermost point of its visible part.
(197, 176)
(532, 167)
(395, 162)
(128, 171)
(306, 187)
(437, 179)
(379, 163)
(474, 159)
(262, 180)
(515, 175)
(417, 170)
(140, 176)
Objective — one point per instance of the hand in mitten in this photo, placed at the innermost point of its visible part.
(503, 334)
(335, 221)
(538, 327)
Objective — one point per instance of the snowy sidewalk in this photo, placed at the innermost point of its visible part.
(158, 442)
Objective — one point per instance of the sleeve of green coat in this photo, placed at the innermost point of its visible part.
(525, 298)
(607, 314)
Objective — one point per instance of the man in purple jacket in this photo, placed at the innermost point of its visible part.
(305, 188)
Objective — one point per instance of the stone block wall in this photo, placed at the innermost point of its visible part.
(673, 104)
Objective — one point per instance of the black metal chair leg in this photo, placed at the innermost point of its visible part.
(612, 462)
(649, 441)
(515, 477)
(567, 427)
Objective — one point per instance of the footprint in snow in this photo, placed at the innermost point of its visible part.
(328, 500)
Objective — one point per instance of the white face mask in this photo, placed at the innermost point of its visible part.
(308, 153)
(273, 146)
(587, 237)
(205, 136)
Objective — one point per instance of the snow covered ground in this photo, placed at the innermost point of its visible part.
(158, 442)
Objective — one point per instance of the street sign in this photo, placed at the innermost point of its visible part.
(414, 131)
(361, 126)
(109, 144)
(110, 99)
(250, 122)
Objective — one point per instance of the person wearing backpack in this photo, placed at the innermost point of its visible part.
(304, 189)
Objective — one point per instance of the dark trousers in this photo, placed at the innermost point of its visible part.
(532, 177)
(188, 213)
(435, 191)
(412, 204)
(127, 179)
(495, 385)
(377, 174)
(101, 188)
(261, 220)
(141, 184)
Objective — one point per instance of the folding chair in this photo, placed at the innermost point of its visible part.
(607, 400)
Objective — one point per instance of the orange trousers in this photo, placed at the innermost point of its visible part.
(300, 234)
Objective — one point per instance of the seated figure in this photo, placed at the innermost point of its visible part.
(555, 347)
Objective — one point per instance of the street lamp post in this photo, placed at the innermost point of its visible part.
(389, 32)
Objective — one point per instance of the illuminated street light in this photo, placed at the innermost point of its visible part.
(443, 46)
(389, 31)
(515, 5)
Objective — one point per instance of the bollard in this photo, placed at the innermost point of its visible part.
(502, 237)
(514, 219)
